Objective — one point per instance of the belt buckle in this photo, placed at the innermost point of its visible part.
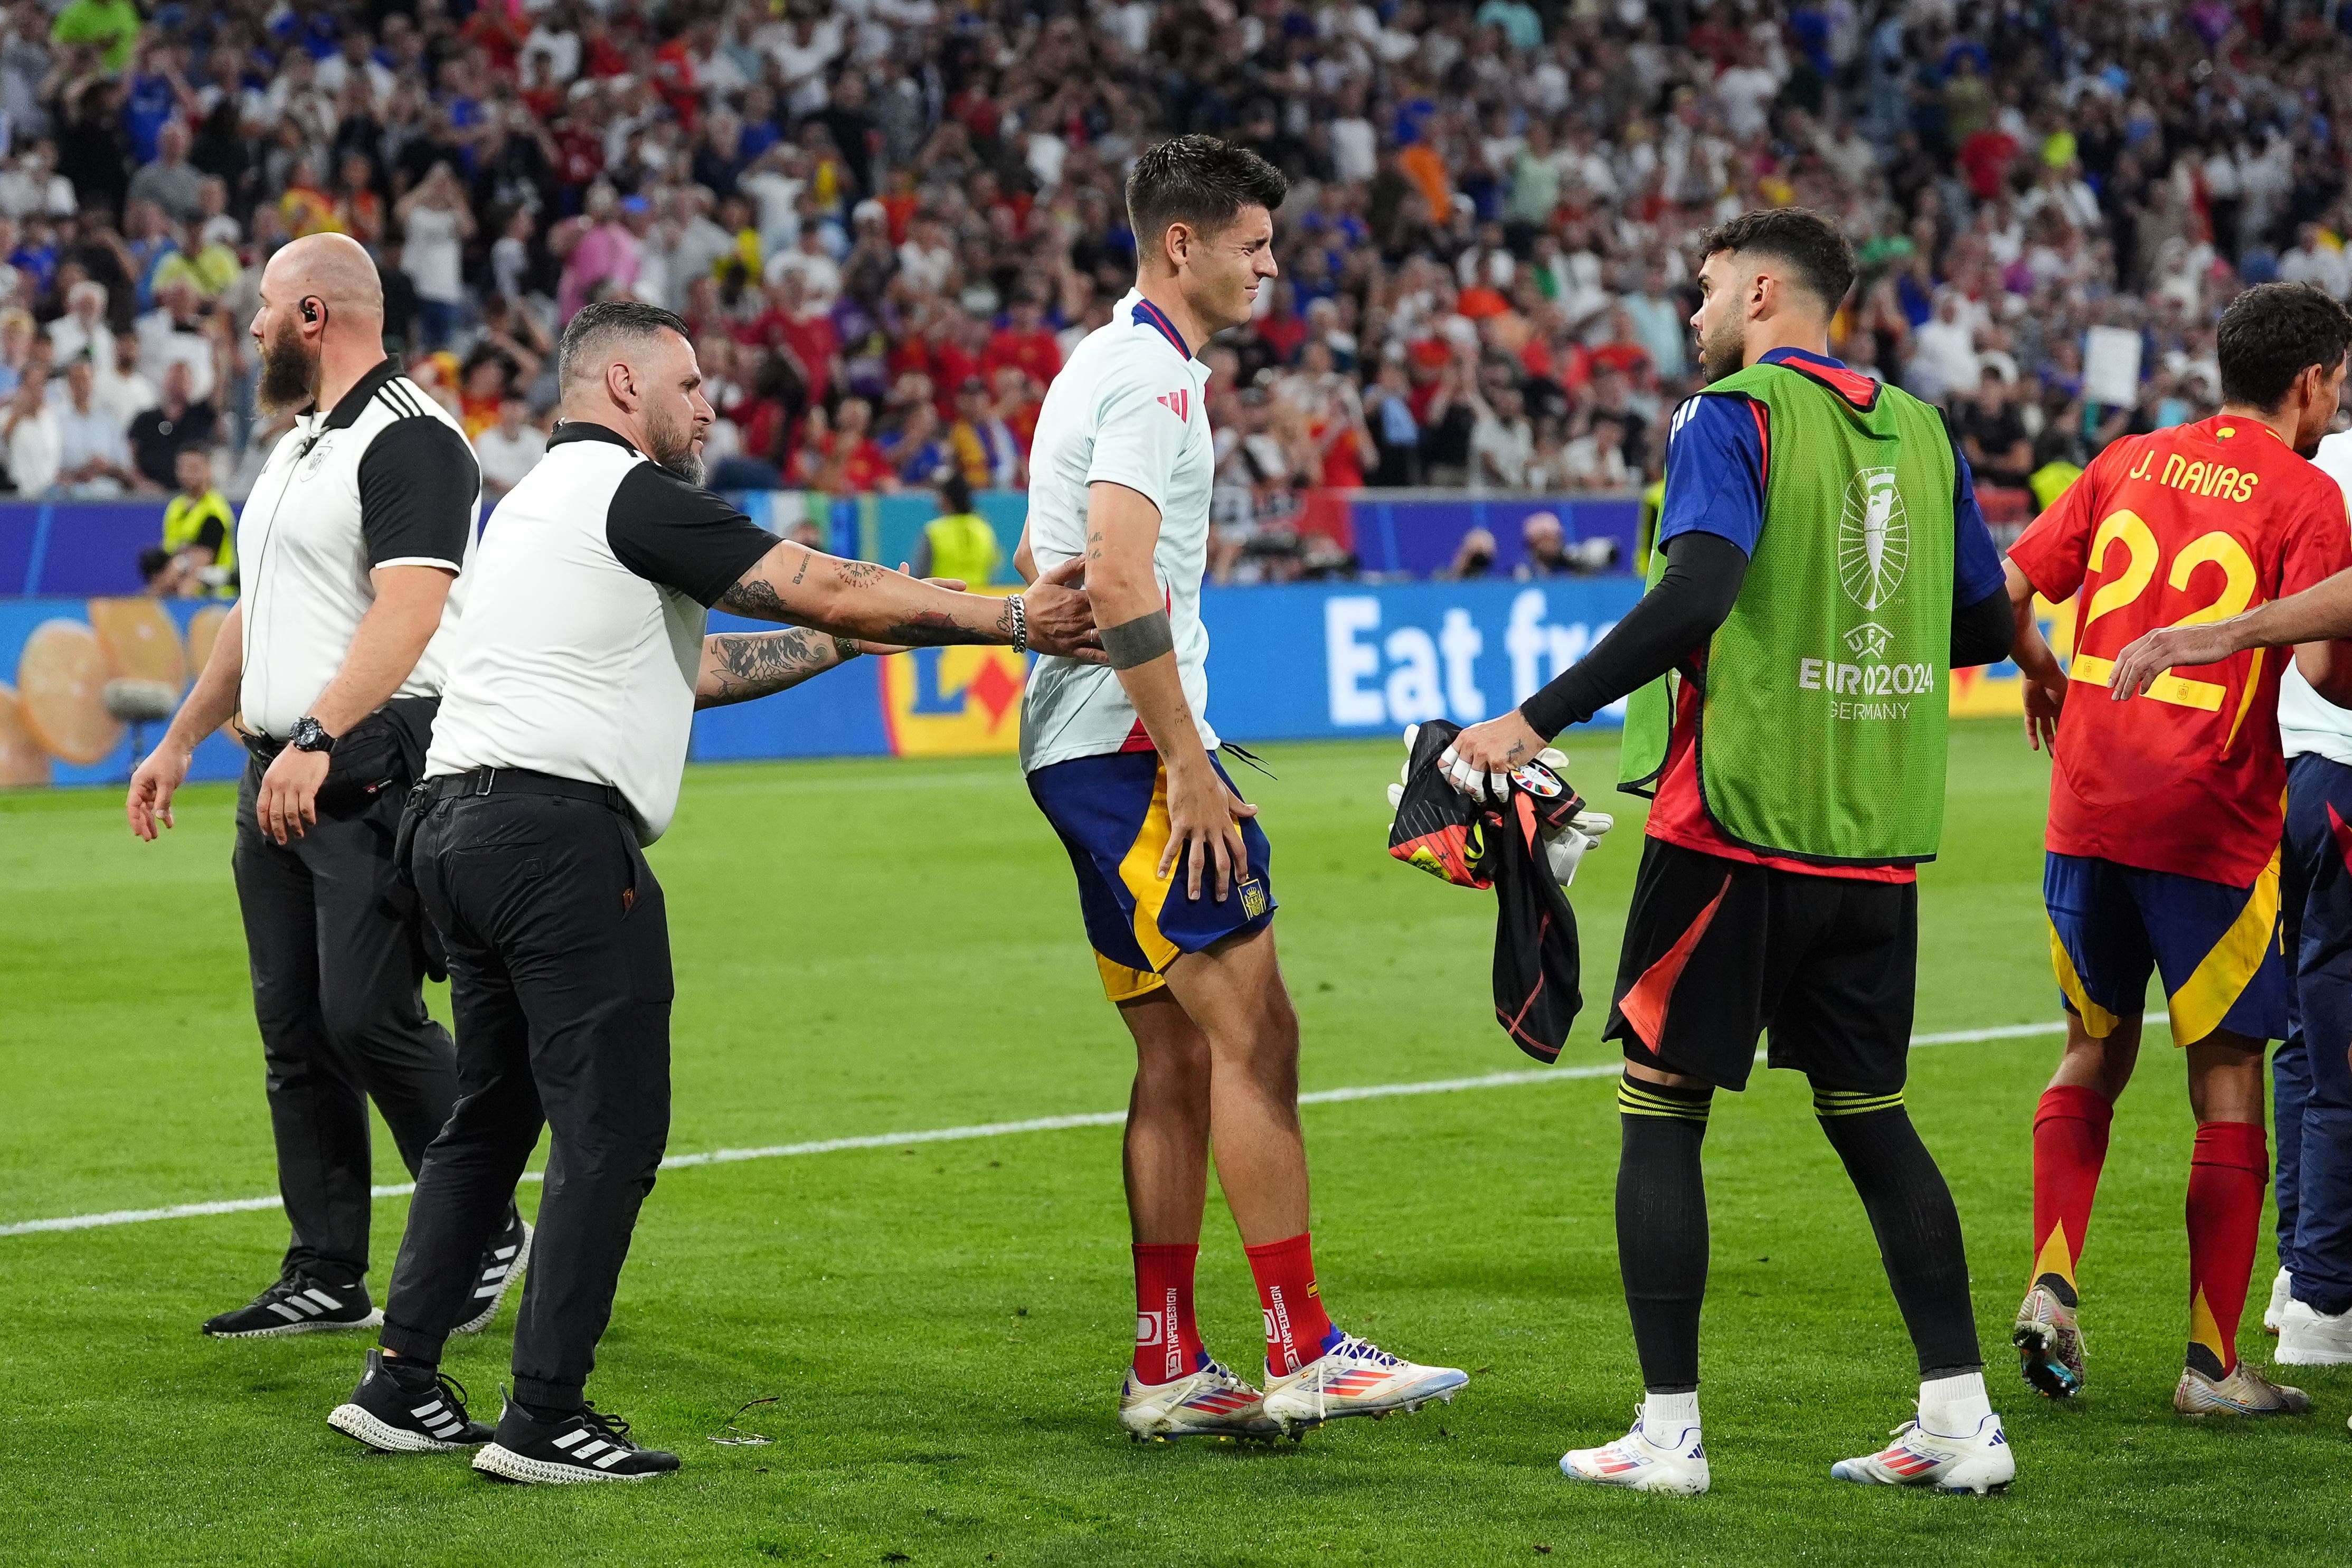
(488, 776)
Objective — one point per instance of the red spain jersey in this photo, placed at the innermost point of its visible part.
(2187, 525)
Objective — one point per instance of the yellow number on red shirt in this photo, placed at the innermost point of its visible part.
(2216, 549)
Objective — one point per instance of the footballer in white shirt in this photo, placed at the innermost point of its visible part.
(1172, 865)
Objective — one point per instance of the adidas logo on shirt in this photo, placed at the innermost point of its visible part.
(1178, 403)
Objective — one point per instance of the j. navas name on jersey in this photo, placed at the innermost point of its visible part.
(2215, 480)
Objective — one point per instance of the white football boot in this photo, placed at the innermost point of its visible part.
(2282, 1293)
(1979, 1462)
(1355, 1377)
(1211, 1403)
(1638, 1463)
(2308, 1337)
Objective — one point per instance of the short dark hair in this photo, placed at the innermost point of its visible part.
(955, 493)
(1197, 179)
(1798, 236)
(2271, 334)
(596, 324)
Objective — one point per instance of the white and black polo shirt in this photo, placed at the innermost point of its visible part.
(385, 478)
(582, 636)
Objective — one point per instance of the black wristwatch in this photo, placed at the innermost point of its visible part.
(310, 736)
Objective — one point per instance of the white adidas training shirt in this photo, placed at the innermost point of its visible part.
(383, 478)
(582, 641)
(1130, 407)
(2308, 721)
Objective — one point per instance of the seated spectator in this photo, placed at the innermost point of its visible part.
(855, 460)
(94, 459)
(990, 454)
(1596, 460)
(82, 329)
(198, 555)
(1992, 434)
(1396, 436)
(181, 419)
(171, 182)
(1023, 342)
(507, 449)
(29, 434)
(1501, 441)
(173, 333)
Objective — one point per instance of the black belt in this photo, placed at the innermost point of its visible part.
(516, 781)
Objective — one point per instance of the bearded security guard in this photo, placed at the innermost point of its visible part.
(356, 539)
(1821, 569)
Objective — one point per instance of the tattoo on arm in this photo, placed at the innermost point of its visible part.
(936, 628)
(756, 597)
(858, 574)
(806, 556)
(749, 665)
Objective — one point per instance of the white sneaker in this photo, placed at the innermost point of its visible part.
(2308, 1337)
(1355, 1377)
(1979, 1462)
(1212, 1403)
(1638, 1464)
(2282, 1293)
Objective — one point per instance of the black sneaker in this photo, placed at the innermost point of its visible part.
(586, 1445)
(398, 1415)
(502, 1265)
(297, 1304)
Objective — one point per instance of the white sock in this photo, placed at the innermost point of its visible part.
(1954, 1407)
(1665, 1416)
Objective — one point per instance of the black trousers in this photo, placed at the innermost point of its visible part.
(560, 980)
(338, 991)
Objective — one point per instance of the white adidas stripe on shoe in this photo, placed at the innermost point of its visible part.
(501, 1267)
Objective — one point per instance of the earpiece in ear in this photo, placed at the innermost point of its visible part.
(310, 312)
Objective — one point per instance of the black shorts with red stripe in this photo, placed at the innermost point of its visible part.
(1720, 951)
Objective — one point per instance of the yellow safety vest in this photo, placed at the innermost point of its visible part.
(184, 525)
(964, 547)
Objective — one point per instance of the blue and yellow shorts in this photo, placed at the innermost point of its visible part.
(2216, 947)
(1112, 814)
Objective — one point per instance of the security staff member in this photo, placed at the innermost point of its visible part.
(355, 541)
(957, 544)
(198, 555)
(559, 753)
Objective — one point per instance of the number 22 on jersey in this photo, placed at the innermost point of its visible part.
(2126, 557)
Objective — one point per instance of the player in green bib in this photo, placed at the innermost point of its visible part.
(1821, 569)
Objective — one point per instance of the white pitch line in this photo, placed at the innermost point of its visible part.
(981, 1130)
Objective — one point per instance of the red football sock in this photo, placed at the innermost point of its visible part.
(2070, 1144)
(2226, 1175)
(1296, 1327)
(1167, 1339)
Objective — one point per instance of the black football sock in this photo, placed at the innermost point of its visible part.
(410, 1373)
(1662, 1226)
(1911, 1213)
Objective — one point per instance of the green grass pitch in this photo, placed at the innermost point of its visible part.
(880, 947)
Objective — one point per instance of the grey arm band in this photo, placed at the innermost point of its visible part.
(1139, 641)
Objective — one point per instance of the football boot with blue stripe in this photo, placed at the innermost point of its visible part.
(1672, 1462)
(1979, 1462)
(1355, 1377)
(1211, 1403)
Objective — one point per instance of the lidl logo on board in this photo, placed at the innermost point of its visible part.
(953, 701)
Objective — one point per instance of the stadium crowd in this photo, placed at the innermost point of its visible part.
(888, 221)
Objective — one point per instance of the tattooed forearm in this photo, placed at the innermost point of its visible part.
(738, 666)
(753, 597)
(806, 556)
(857, 573)
(931, 628)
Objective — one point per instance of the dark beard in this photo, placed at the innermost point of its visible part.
(671, 446)
(289, 377)
(1721, 356)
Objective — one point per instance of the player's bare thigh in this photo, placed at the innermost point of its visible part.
(1232, 990)
(2101, 1066)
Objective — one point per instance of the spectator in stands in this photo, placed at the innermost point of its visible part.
(94, 459)
(180, 419)
(509, 449)
(175, 332)
(986, 445)
(169, 181)
(1596, 460)
(435, 224)
(83, 329)
(29, 433)
(1993, 436)
(1502, 440)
